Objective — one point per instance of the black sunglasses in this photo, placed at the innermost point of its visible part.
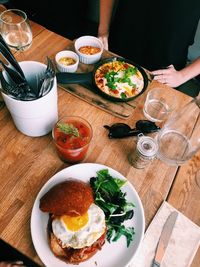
(120, 130)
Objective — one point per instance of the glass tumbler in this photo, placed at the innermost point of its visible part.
(179, 139)
(72, 136)
(159, 104)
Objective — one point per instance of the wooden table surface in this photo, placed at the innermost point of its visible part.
(27, 163)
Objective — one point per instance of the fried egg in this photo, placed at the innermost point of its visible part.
(80, 231)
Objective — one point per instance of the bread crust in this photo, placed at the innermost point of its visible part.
(72, 197)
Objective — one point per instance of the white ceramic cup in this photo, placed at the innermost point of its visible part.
(36, 117)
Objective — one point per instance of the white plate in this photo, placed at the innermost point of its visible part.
(115, 254)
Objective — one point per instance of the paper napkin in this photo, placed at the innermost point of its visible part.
(183, 244)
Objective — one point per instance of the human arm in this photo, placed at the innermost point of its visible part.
(105, 14)
(174, 78)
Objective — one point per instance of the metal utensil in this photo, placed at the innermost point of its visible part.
(50, 71)
(164, 238)
(20, 92)
(14, 75)
(46, 86)
(5, 51)
(46, 82)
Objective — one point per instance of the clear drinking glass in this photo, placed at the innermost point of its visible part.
(72, 136)
(179, 139)
(159, 104)
(15, 29)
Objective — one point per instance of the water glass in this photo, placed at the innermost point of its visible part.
(179, 138)
(158, 104)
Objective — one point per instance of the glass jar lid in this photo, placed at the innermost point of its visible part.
(147, 146)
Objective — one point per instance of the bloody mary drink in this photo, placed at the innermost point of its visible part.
(72, 136)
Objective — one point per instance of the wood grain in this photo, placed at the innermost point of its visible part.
(27, 163)
(185, 194)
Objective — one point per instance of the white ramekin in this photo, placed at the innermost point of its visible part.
(67, 68)
(88, 41)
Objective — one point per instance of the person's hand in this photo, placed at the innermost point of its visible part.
(12, 264)
(104, 39)
(169, 76)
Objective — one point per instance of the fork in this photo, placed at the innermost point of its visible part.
(46, 86)
(16, 91)
(50, 70)
(47, 80)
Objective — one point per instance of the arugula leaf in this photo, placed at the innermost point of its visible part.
(121, 217)
(120, 182)
(107, 182)
(114, 232)
(110, 233)
(102, 173)
(108, 208)
(127, 232)
(110, 198)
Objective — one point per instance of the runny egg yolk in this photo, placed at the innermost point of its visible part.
(75, 223)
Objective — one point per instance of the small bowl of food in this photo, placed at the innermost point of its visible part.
(89, 49)
(67, 61)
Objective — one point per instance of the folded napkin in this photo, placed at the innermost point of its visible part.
(183, 244)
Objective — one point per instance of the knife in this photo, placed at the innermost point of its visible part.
(164, 238)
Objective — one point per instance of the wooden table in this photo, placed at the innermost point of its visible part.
(27, 163)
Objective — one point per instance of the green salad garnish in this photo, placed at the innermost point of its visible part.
(68, 128)
(110, 198)
(112, 77)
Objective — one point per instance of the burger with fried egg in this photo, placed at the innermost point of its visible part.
(76, 227)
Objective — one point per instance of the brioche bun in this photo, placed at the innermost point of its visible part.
(72, 197)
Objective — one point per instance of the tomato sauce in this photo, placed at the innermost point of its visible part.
(71, 148)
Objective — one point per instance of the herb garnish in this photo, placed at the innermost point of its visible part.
(68, 128)
(113, 78)
(110, 198)
(123, 95)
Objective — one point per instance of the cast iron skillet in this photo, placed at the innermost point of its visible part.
(89, 78)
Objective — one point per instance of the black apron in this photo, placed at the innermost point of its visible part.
(154, 34)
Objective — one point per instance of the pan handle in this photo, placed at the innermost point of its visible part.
(77, 78)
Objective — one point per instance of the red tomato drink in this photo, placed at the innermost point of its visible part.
(72, 136)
